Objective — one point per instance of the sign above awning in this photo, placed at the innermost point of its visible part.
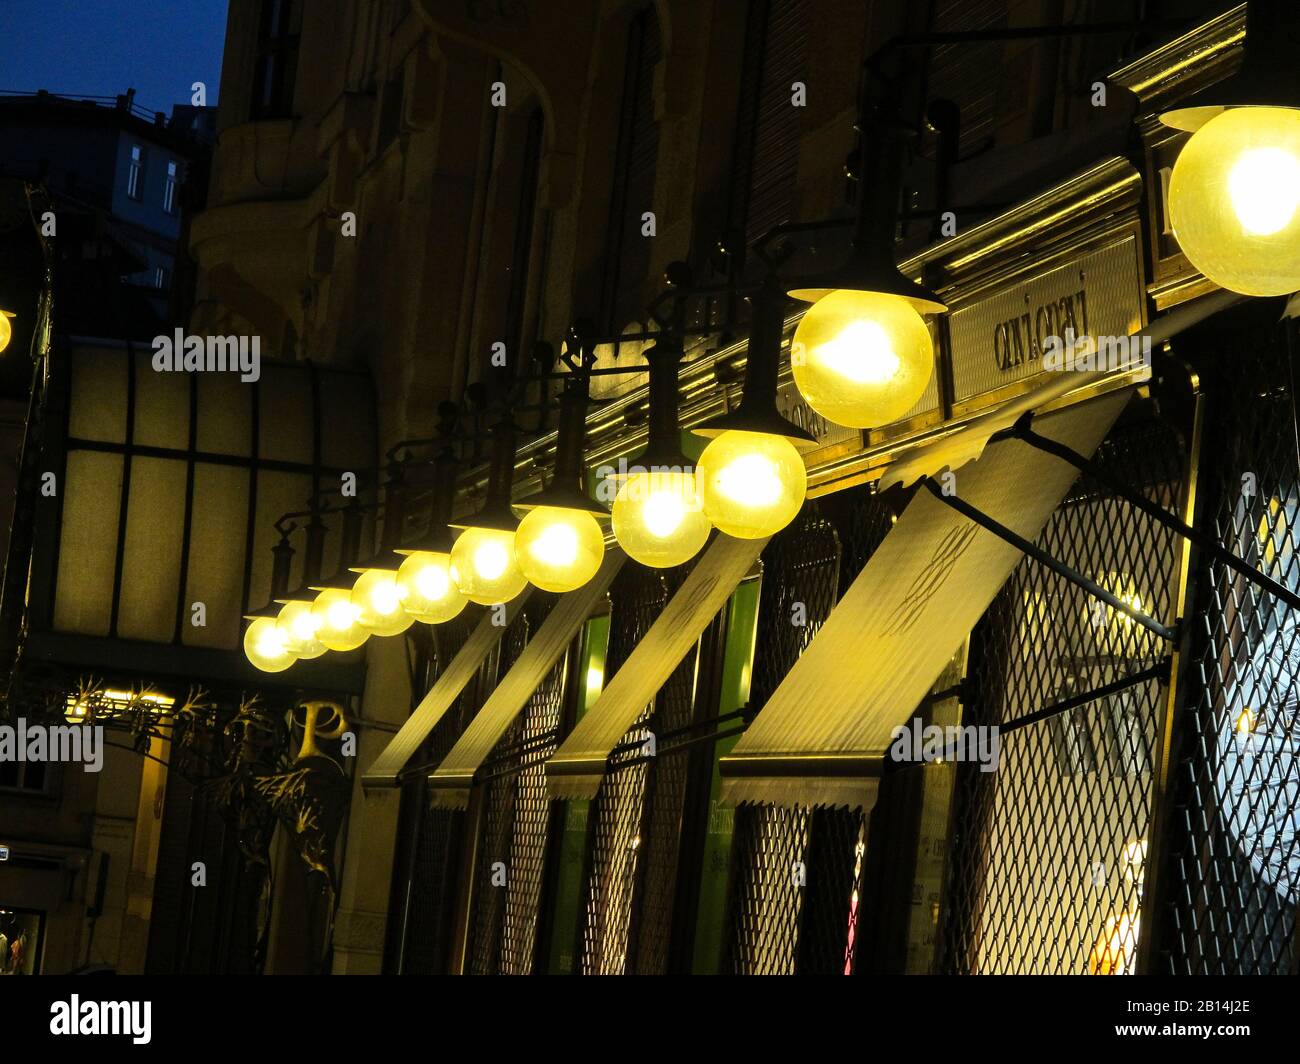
(576, 769)
(822, 737)
(445, 690)
(453, 778)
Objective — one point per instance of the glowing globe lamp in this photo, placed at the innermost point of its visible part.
(862, 359)
(429, 594)
(753, 484)
(378, 599)
(1234, 200)
(659, 518)
(267, 646)
(340, 628)
(558, 548)
(483, 566)
(301, 627)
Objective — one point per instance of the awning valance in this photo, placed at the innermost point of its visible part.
(576, 769)
(444, 692)
(452, 779)
(822, 737)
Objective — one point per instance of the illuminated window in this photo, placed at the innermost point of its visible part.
(135, 175)
(1258, 736)
(169, 190)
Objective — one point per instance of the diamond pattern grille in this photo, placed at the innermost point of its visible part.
(635, 817)
(1047, 862)
(1234, 877)
(429, 900)
(502, 869)
(781, 925)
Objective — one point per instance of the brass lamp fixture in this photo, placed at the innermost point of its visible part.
(266, 644)
(658, 514)
(752, 477)
(340, 628)
(1234, 194)
(429, 594)
(862, 355)
(376, 595)
(560, 543)
(297, 619)
(483, 562)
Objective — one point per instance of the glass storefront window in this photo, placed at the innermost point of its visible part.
(20, 941)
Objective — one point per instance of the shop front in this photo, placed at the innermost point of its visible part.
(1013, 693)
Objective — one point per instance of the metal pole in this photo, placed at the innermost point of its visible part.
(1022, 431)
(1039, 555)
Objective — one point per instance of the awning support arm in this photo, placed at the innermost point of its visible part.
(1022, 431)
(1042, 557)
(1158, 671)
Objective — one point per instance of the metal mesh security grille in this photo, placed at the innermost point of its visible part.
(632, 836)
(427, 907)
(770, 858)
(517, 817)
(492, 872)
(1048, 852)
(661, 823)
(1235, 873)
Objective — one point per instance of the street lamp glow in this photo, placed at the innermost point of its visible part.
(340, 628)
(862, 359)
(301, 627)
(266, 646)
(559, 548)
(378, 599)
(753, 483)
(483, 566)
(1234, 200)
(659, 519)
(428, 592)
(6, 330)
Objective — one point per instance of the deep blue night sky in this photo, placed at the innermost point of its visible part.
(103, 47)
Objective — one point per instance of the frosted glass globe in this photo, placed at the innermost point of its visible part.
(266, 646)
(378, 599)
(301, 629)
(862, 359)
(559, 549)
(483, 566)
(428, 592)
(753, 483)
(659, 518)
(1234, 200)
(339, 620)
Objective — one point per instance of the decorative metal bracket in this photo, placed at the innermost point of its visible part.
(1021, 430)
(1044, 558)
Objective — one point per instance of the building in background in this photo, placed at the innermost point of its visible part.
(127, 178)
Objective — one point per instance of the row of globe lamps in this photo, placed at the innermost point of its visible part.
(862, 356)
(749, 482)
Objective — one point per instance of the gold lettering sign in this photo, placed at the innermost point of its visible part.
(1000, 337)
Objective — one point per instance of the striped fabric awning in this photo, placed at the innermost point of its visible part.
(576, 769)
(823, 736)
(452, 779)
(444, 692)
